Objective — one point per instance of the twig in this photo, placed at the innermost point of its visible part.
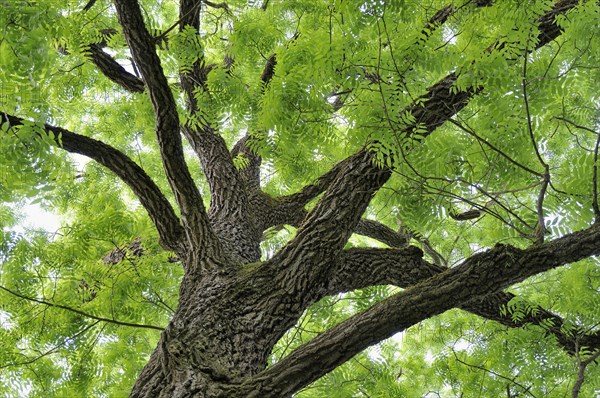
(562, 119)
(541, 227)
(513, 381)
(64, 307)
(472, 133)
(52, 350)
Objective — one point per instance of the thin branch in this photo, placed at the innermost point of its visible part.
(187, 14)
(581, 373)
(513, 381)
(541, 225)
(482, 140)
(222, 6)
(52, 350)
(579, 126)
(64, 307)
(527, 112)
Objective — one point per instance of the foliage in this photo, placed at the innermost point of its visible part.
(533, 109)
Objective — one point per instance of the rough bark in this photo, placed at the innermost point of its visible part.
(359, 268)
(232, 308)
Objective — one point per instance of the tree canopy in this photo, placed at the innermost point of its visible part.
(323, 198)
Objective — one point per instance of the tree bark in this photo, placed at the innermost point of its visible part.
(233, 308)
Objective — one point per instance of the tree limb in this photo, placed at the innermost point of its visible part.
(360, 268)
(158, 207)
(195, 221)
(480, 275)
(229, 212)
(328, 226)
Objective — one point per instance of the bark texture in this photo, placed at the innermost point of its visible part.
(234, 308)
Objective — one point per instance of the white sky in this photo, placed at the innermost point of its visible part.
(37, 218)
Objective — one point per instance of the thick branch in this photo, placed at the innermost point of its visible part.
(158, 207)
(186, 193)
(382, 233)
(107, 64)
(229, 212)
(441, 101)
(480, 275)
(327, 228)
(360, 268)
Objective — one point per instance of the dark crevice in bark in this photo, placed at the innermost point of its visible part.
(158, 207)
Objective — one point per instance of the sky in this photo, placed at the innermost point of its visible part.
(38, 218)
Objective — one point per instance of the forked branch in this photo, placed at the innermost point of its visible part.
(480, 275)
(142, 46)
(360, 268)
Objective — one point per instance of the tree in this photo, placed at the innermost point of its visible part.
(415, 159)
